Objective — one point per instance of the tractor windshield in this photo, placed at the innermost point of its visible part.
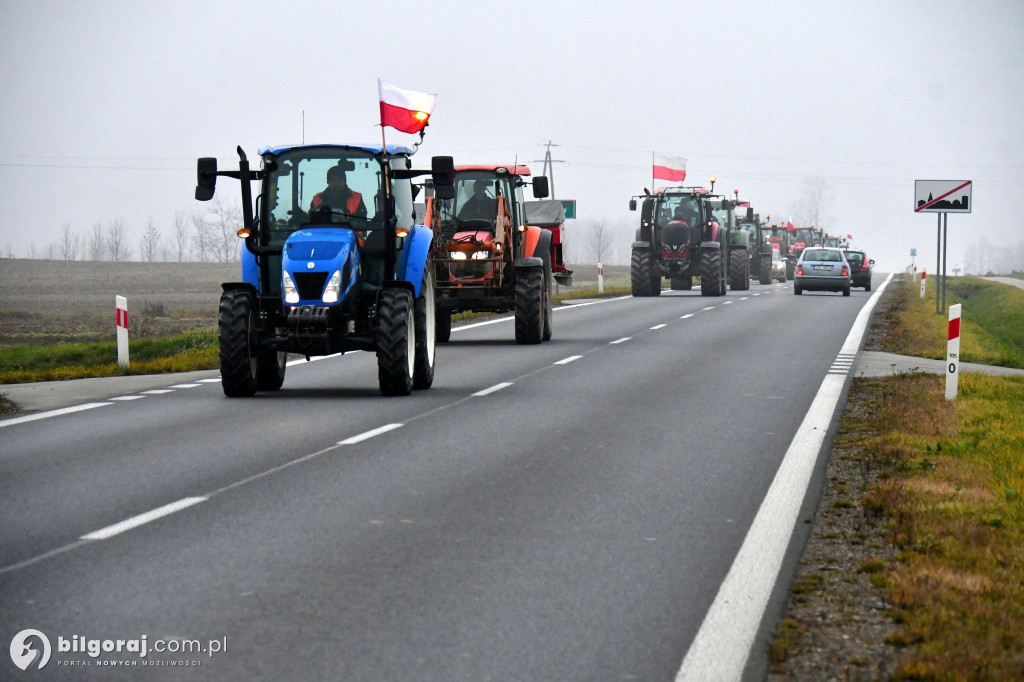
(679, 207)
(475, 205)
(328, 186)
(806, 235)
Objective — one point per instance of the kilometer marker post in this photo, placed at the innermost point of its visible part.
(121, 304)
(600, 278)
(924, 276)
(953, 353)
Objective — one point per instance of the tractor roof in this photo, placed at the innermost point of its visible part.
(514, 169)
(372, 148)
(681, 190)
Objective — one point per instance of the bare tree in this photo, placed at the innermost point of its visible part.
(599, 238)
(117, 241)
(69, 244)
(224, 221)
(201, 238)
(180, 235)
(149, 246)
(97, 243)
(812, 207)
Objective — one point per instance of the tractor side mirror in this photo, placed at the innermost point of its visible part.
(632, 204)
(442, 172)
(206, 178)
(540, 187)
(750, 213)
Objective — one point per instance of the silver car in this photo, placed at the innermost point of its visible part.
(822, 269)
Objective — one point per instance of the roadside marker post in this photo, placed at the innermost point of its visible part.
(600, 278)
(121, 304)
(924, 274)
(953, 353)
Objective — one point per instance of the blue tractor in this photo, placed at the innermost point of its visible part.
(333, 261)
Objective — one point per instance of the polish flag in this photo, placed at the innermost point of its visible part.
(671, 168)
(789, 224)
(404, 110)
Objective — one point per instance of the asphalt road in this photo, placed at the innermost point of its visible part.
(565, 511)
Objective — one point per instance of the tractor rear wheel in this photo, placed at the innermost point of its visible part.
(530, 305)
(765, 273)
(739, 270)
(549, 302)
(236, 320)
(396, 341)
(644, 278)
(270, 368)
(426, 332)
(711, 283)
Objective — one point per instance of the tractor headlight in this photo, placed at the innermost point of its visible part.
(480, 255)
(457, 255)
(333, 289)
(291, 294)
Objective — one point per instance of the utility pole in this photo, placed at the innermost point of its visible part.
(549, 169)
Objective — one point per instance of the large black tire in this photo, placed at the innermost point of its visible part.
(739, 270)
(236, 320)
(396, 341)
(426, 332)
(682, 283)
(790, 270)
(846, 291)
(442, 324)
(549, 302)
(529, 305)
(765, 269)
(644, 278)
(867, 287)
(711, 283)
(270, 368)
(797, 290)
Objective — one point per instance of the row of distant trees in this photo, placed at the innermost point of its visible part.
(198, 237)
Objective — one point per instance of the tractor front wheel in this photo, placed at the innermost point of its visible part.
(270, 368)
(426, 332)
(711, 283)
(236, 320)
(644, 278)
(530, 305)
(396, 341)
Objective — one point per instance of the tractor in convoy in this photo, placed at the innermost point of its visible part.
(740, 244)
(759, 249)
(800, 238)
(681, 237)
(778, 239)
(332, 262)
(484, 255)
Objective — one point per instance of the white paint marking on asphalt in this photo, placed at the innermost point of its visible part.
(51, 413)
(370, 434)
(212, 380)
(302, 361)
(159, 391)
(561, 307)
(723, 644)
(141, 519)
(622, 340)
(727, 303)
(580, 305)
(686, 316)
(659, 326)
(745, 297)
(129, 397)
(185, 386)
(494, 388)
(566, 361)
(710, 307)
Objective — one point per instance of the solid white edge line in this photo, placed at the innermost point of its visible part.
(370, 434)
(50, 413)
(492, 389)
(726, 636)
(141, 519)
(566, 361)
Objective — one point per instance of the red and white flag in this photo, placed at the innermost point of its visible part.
(404, 110)
(671, 168)
(789, 224)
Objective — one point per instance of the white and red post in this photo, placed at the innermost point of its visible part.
(924, 275)
(600, 278)
(953, 353)
(121, 303)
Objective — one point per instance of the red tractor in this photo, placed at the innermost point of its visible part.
(486, 258)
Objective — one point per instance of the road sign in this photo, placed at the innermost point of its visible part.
(913, 253)
(570, 207)
(942, 196)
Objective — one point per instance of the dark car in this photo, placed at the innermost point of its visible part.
(860, 269)
(822, 269)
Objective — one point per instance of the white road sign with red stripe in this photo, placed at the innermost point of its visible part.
(942, 196)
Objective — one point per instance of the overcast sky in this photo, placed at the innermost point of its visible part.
(104, 106)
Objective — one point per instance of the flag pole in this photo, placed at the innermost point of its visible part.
(652, 170)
